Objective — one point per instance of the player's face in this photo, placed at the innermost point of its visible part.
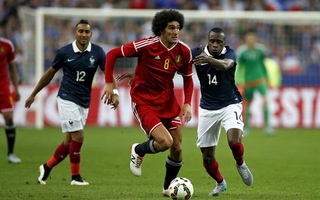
(83, 34)
(170, 35)
(251, 39)
(216, 42)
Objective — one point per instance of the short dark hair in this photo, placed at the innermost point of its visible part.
(217, 30)
(250, 31)
(82, 21)
(162, 18)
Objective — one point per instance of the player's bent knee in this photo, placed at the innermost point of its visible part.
(164, 145)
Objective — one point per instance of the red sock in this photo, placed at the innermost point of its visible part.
(213, 171)
(237, 151)
(59, 155)
(74, 154)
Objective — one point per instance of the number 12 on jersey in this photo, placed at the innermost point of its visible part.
(81, 75)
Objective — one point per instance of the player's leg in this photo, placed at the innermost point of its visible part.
(10, 131)
(77, 138)
(160, 140)
(6, 108)
(159, 137)
(267, 127)
(237, 148)
(73, 119)
(59, 155)
(208, 134)
(62, 150)
(174, 160)
(212, 168)
(248, 96)
(232, 122)
(234, 140)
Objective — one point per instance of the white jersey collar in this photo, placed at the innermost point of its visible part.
(224, 50)
(76, 49)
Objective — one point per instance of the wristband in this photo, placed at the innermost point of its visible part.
(115, 91)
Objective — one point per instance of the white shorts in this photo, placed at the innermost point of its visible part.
(73, 117)
(211, 121)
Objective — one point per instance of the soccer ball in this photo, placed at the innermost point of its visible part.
(180, 188)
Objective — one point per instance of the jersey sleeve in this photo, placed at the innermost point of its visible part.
(102, 59)
(188, 89)
(130, 50)
(186, 70)
(231, 55)
(11, 54)
(126, 50)
(195, 52)
(57, 62)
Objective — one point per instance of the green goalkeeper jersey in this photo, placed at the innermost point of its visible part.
(252, 62)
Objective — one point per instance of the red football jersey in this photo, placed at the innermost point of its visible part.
(156, 68)
(6, 55)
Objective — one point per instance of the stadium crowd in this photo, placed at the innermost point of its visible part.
(295, 48)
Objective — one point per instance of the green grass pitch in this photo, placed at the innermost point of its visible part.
(285, 166)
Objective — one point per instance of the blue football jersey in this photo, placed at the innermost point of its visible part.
(78, 71)
(218, 88)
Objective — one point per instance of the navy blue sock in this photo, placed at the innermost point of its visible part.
(172, 170)
(11, 136)
(145, 148)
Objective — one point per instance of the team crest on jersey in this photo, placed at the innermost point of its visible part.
(1, 49)
(91, 61)
(178, 59)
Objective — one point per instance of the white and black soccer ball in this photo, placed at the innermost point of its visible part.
(180, 188)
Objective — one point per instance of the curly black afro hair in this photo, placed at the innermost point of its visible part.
(162, 18)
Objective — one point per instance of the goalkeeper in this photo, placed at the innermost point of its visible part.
(251, 63)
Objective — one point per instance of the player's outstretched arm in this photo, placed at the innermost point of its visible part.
(43, 82)
(110, 92)
(188, 90)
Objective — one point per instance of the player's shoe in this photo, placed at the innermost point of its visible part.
(219, 188)
(44, 173)
(12, 158)
(165, 192)
(135, 161)
(78, 180)
(245, 174)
